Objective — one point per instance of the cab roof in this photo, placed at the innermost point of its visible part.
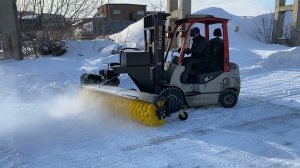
(206, 19)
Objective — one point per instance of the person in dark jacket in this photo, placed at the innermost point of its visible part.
(216, 51)
(198, 62)
(199, 45)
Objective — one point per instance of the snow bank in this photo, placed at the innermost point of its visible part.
(110, 50)
(283, 59)
(132, 36)
(218, 12)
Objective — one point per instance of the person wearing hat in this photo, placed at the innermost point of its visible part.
(198, 62)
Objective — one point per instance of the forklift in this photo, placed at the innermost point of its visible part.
(159, 80)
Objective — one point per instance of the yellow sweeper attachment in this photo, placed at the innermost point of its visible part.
(137, 106)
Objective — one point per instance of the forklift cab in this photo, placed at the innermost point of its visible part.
(209, 23)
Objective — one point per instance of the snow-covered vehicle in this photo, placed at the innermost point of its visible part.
(162, 90)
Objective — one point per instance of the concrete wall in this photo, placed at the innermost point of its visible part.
(296, 21)
(9, 30)
(280, 9)
(178, 10)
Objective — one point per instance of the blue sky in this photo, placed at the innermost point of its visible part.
(237, 7)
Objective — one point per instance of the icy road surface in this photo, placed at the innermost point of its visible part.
(44, 123)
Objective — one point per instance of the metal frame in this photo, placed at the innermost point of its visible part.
(207, 21)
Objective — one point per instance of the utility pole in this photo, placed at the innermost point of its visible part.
(178, 11)
(9, 30)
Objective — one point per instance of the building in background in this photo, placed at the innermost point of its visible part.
(122, 12)
(31, 22)
(112, 18)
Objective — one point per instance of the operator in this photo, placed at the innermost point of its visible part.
(198, 62)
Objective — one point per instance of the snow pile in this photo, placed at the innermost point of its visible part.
(287, 59)
(219, 12)
(132, 36)
(110, 50)
(86, 48)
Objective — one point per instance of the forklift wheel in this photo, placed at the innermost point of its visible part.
(183, 116)
(228, 98)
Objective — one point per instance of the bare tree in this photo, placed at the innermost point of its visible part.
(264, 24)
(109, 2)
(158, 6)
(52, 20)
(263, 28)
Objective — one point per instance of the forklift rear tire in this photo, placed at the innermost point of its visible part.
(228, 98)
(183, 116)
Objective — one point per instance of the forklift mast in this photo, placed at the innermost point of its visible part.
(154, 33)
(146, 68)
(155, 36)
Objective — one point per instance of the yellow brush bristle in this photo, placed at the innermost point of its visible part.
(137, 110)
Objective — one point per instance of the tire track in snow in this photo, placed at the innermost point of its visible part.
(259, 84)
(254, 102)
(227, 157)
(205, 131)
(9, 157)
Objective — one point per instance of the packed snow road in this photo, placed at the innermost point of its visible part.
(45, 123)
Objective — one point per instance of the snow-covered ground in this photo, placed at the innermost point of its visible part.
(45, 122)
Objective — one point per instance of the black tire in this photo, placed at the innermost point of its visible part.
(228, 99)
(176, 97)
(183, 116)
(174, 100)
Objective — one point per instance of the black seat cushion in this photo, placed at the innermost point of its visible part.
(216, 52)
(218, 32)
